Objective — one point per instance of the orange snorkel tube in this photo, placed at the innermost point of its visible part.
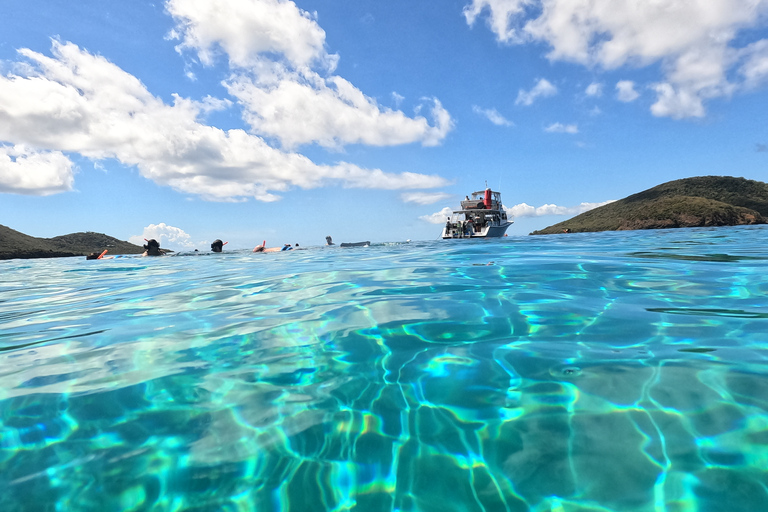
(102, 254)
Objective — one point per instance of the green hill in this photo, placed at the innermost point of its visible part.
(690, 202)
(14, 244)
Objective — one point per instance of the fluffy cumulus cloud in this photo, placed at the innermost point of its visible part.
(76, 102)
(167, 236)
(438, 217)
(32, 172)
(696, 42)
(526, 210)
(492, 115)
(300, 107)
(542, 89)
(281, 74)
(281, 77)
(246, 29)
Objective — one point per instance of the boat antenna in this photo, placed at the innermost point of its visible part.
(486, 183)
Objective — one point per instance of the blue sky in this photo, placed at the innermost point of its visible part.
(251, 120)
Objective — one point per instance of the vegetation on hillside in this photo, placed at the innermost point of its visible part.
(14, 244)
(690, 202)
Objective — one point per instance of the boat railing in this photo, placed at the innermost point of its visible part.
(472, 204)
(479, 205)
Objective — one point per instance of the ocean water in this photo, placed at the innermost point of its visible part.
(622, 371)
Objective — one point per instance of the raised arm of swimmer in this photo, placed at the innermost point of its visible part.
(263, 248)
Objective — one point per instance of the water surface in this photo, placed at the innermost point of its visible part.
(618, 371)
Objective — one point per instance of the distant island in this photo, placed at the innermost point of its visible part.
(690, 202)
(14, 244)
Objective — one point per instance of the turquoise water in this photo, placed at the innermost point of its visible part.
(619, 371)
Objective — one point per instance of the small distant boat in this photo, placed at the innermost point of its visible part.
(480, 216)
(329, 241)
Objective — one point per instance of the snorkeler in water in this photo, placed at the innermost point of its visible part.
(152, 248)
(263, 248)
(97, 256)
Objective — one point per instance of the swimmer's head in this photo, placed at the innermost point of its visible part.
(152, 248)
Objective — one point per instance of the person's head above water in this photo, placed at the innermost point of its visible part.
(217, 245)
(152, 248)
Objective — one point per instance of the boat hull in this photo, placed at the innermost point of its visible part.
(490, 232)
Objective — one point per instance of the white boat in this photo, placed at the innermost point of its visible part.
(481, 216)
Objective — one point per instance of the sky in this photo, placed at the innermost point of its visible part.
(280, 121)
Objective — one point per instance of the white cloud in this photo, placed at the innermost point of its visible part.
(625, 91)
(594, 89)
(692, 40)
(523, 210)
(424, 197)
(676, 103)
(275, 51)
(31, 172)
(438, 217)
(526, 210)
(492, 115)
(542, 89)
(167, 236)
(246, 29)
(80, 103)
(301, 107)
(504, 17)
(755, 66)
(562, 128)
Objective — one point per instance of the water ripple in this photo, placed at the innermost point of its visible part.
(612, 371)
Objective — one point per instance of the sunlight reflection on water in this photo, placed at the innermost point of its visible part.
(584, 372)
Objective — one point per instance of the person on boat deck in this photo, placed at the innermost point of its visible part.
(217, 245)
(448, 225)
(152, 248)
(469, 227)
